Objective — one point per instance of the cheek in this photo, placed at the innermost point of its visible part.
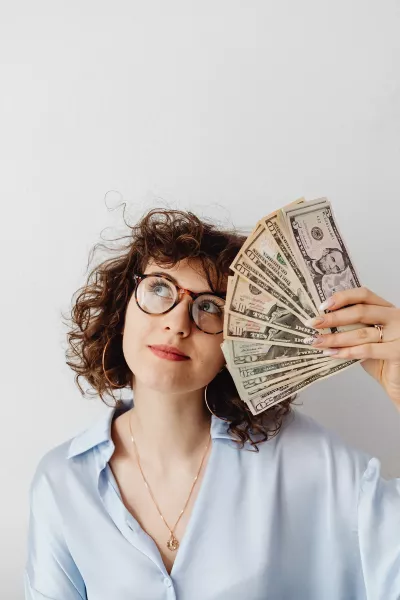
(137, 330)
(211, 354)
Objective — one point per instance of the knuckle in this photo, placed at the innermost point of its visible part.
(351, 353)
(360, 311)
(363, 351)
(362, 333)
(330, 319)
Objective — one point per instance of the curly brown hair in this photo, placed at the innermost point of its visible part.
(98, 311)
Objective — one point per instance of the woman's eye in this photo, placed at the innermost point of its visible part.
(161, 289)
(210, 307)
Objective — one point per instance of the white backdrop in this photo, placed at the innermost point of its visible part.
(228, 108)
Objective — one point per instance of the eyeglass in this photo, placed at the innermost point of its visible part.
(156, 295)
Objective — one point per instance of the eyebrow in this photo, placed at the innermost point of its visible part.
(162, 273)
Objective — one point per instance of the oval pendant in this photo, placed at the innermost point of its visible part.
(172, 543)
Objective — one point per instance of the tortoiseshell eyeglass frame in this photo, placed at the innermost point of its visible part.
(180, 291)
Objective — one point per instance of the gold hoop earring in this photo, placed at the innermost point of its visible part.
(104, 370)
(206, 403)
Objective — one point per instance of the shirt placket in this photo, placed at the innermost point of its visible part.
(128, 525)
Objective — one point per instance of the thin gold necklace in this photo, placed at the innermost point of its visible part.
(172, 543)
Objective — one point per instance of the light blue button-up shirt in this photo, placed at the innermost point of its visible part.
(306, 518)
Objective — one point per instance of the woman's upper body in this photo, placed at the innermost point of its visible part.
(306, 517)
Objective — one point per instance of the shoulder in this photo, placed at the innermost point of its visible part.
(75, 460)
(311, 467)
(49, 484)
(50, 472)
(319, 458)
(303, 436)
(66, 466)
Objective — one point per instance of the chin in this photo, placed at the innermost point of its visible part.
(161, 379)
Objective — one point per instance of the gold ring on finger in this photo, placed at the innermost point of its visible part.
(380, 329)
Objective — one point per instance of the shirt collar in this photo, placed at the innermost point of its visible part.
(100, 431)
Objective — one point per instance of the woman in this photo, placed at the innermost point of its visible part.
(160, 498)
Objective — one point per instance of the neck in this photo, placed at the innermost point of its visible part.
(168, 429)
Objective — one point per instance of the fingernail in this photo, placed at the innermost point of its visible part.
(330, 352)
(327, 304)
(314, 322)
(310, 340)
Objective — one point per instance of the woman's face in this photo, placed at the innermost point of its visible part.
(174, 328)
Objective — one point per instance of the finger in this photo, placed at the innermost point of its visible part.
(359, 313)
(387, 351)
(355, 337)
(361, 295)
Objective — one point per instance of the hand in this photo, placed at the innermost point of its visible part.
(381, 360)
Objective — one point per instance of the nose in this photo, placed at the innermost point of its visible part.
(178, 319)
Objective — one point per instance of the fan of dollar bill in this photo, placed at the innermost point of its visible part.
(294, 259)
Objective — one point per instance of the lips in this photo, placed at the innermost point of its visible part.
(169, 349)
(169, 352)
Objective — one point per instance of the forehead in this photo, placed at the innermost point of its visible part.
(187, 275)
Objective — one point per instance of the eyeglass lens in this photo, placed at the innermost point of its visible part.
(156, 295)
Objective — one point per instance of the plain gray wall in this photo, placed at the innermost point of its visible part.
(228, 108)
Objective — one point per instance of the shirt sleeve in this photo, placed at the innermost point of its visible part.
(379, 533)
(50, 571)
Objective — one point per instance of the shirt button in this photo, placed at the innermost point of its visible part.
(167, 582)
